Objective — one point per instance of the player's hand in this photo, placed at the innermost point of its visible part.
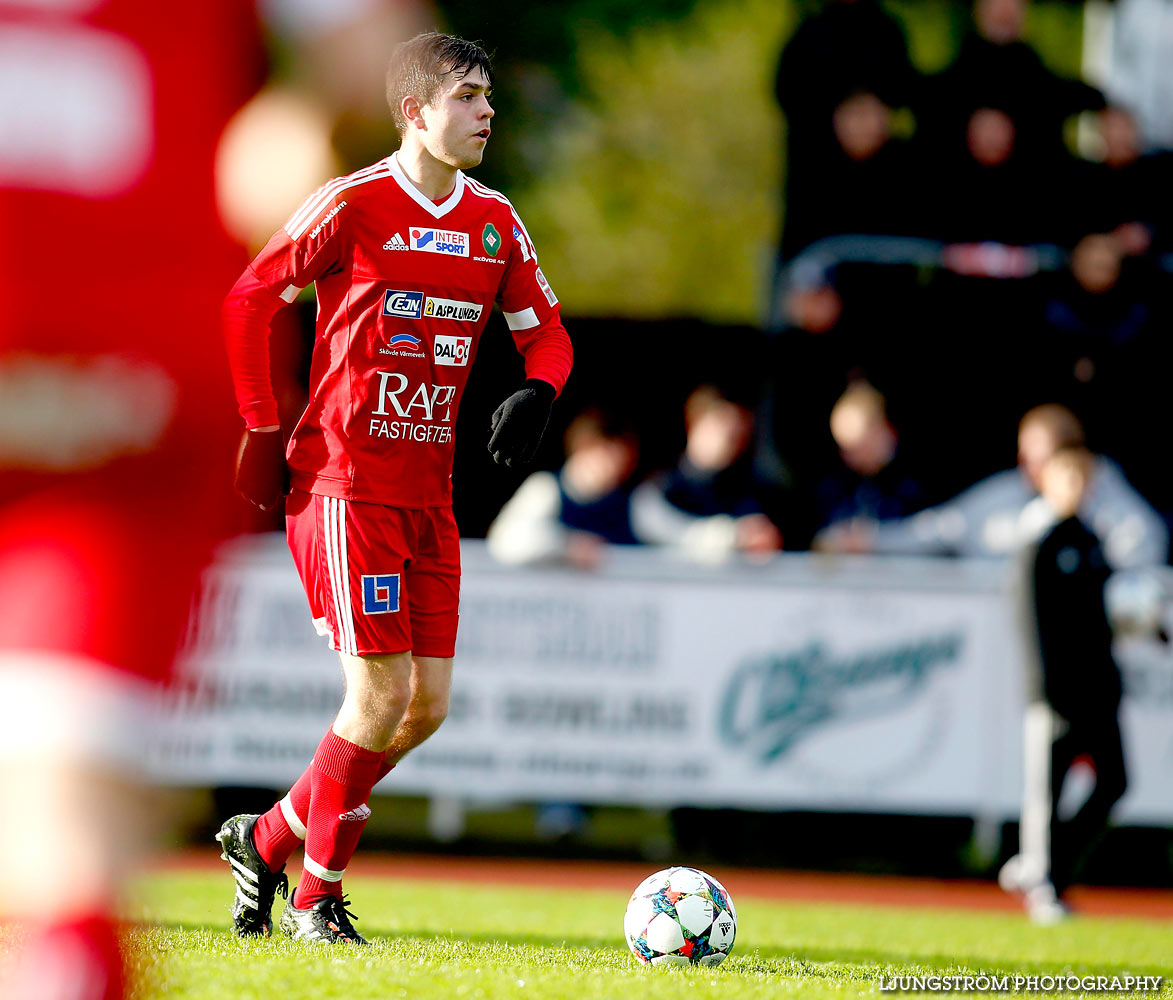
(262, 477)
(519, 423)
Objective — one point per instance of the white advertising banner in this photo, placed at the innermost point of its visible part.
(855, 685)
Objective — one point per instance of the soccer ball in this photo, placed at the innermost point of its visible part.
(680, 916)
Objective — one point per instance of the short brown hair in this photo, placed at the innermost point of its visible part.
(419, 65)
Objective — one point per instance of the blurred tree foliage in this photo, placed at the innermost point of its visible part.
(642, 144)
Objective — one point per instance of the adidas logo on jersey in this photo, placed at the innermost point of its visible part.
(396, 243)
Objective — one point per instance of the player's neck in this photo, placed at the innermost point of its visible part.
(434, 178)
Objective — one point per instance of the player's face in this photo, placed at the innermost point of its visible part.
(458, 120)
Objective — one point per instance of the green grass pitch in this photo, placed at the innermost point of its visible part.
(484, 942)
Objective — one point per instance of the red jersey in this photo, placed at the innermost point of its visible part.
(405, 287)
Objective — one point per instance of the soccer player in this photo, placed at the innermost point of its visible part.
(114, 405)
(408, 257)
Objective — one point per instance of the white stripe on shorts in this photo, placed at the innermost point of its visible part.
(334, 519)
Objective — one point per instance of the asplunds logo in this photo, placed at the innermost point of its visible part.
(453, 351)
(467, 312)
(440, 241)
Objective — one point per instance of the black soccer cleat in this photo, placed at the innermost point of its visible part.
(327, 920)
(256, 884)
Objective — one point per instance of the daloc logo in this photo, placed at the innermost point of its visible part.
(453, 351)
(409, 305)
(773, 702)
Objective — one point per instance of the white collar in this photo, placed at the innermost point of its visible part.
(421, 199)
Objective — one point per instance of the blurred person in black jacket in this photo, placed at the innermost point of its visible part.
(848, 60)
(572, 515)
(1073, 692)
(1126, 192)
(863, 182)
(707, 506)
(869, 481)
(995, 68)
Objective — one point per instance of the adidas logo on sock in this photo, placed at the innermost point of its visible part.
(357, 813)
(396, 243)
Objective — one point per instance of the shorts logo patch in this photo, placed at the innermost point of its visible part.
(380, 593)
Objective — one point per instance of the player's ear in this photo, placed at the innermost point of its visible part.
(412, 112)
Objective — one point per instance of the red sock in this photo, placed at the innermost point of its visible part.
(280, 831)
(341, 779)
(78, 960)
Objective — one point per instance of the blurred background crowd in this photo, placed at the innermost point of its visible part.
(832, 268)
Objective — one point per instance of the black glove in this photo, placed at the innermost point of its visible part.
(262, 477)
(519, 423)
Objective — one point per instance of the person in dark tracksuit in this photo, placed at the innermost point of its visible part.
(1073, 694)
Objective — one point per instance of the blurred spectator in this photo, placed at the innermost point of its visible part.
(838, 75)
(706, 506)
(1073, 689)
(572, 515)
(870, 482)
(996, 69)
(991, 517)
(1126, 192)
(996, 182)
(862, 184)
(1096, 315)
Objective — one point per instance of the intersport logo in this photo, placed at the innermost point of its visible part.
(440, 241)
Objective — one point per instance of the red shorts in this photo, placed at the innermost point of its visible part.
(379, 579)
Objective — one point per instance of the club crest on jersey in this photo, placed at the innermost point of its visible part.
(453, 351)
(491, 239)
(467, 312)
(440, 241)
(408, 305)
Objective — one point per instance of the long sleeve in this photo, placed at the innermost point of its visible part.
(248, 310)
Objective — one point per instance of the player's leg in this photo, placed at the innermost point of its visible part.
(281, 830)
(1029, 871)
(433, 579)
(427, 707)
(343, 773)
(1101, 741)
